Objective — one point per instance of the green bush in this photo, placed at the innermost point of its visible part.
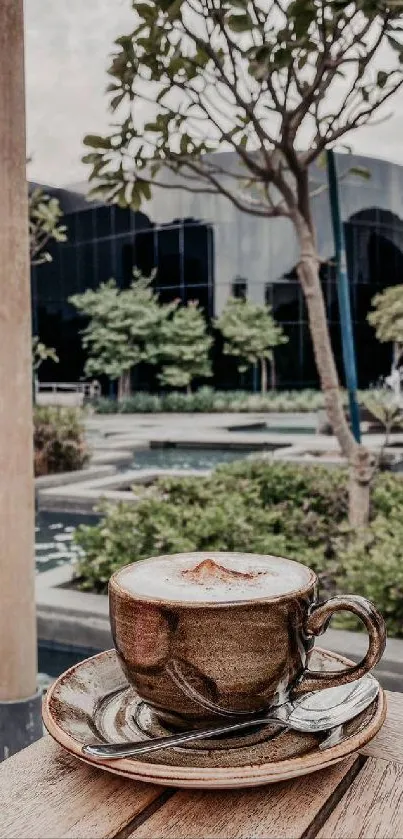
(59, 440)
(207, 400)
(247, 506)
(262, 507)
(371, 564)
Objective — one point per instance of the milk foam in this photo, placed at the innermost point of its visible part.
(213, 577)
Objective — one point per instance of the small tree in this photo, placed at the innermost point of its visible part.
(383, 406)
(261, 78)
(44, 225)
(41, 353)
(184, 347)
(123, 328)
(251, 334)
(44, 214)
(387, 318)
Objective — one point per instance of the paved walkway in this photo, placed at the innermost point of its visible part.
(121, 430)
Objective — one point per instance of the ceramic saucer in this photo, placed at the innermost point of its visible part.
(92, 702)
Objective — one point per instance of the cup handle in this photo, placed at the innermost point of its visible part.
(317, 623)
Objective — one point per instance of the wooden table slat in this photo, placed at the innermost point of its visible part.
(388, 743)
(276, 811)
(46, 792)
(371, 807)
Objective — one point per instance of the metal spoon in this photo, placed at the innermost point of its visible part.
(320, 711)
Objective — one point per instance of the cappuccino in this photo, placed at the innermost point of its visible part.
(213, 577)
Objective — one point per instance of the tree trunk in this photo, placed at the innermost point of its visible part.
(361, 461)
(124, 386)
(263, 375)
(273, 378)
(189, 389)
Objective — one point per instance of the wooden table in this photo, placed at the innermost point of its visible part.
(46, 793)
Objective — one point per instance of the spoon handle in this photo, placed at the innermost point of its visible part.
(113, 751)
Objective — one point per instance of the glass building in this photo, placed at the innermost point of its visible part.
(205, 249)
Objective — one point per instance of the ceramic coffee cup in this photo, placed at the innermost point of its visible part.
(204, 636)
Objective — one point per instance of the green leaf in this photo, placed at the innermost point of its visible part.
(172, 7)
(112, 87)
(282, 57)
(135, 202)
(144, 10)
(145, 188)
(116, 101)
(97, 142)
(154, 168)
(92, 157)
(152, 126)
(361, 172)
(185, 139)
(239, 23)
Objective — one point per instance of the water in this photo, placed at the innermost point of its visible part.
(54, 532)
(54, 659)
(182, 458)
(54, 538)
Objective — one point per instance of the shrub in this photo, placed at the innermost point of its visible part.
(207, 400)
(103, 405)
(262, 507)
(247, 506)
(177, 402)
(59, 440)
(371, 564)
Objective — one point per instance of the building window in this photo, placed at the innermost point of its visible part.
(240, 288)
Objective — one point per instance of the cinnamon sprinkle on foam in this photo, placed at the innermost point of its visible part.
(209, 570)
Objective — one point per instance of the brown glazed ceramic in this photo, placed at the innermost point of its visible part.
(197, 662)
(93, 703)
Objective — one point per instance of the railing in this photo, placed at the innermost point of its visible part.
(66, 393)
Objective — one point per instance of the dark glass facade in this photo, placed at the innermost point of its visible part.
(105, 242)
(205, 250)
(375, 261)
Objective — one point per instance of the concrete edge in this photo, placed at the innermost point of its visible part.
(87, 495)
(76, 476)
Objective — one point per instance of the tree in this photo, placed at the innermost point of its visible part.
(277, 83)
(41, 353)
(250, 334)
(387, 318)
(383, 405)
(44, 214)
(123, 328)
(184, 347)
(44, 225)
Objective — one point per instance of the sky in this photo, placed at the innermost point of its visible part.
(67, 50)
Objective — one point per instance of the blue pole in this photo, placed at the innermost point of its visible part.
(343, 292)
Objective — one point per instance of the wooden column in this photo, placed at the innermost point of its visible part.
(18, 662)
